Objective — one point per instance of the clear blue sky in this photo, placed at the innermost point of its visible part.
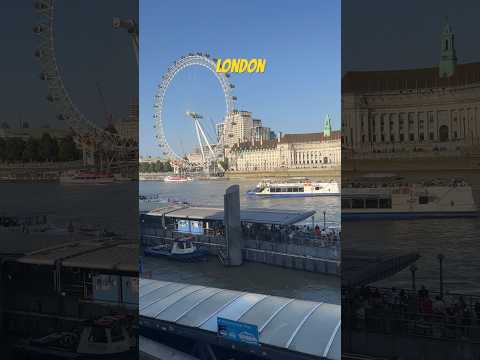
(299, 39)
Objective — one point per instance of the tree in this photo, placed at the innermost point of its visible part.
(14, 149)
(3, 150)
(30, 153)
(48, 148)
(67, 150)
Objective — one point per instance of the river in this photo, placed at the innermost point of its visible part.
(250, 277)
(457, 239)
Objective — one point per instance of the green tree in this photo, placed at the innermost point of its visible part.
(3, 150)
(48, 148)
(67, 150)
(30, 153)
(14, 149)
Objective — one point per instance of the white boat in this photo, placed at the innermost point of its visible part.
(110, 337)
(305, 188)
(177, 178)
(86, 177)
(402, 200)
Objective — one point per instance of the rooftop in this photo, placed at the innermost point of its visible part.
(392, 80)
(258, 216)
(310, 137)
(109, 254)
(288, 324)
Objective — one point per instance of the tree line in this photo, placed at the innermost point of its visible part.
(153, 167)
(46, 148)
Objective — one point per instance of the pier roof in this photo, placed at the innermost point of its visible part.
(258, 216)
(109, 255)
(288, 325)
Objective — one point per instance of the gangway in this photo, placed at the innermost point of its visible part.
(288, 328)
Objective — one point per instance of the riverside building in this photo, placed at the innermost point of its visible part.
(395, 113)
(288, 151)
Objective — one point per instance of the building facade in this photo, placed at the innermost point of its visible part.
(290, 151)
(414, 112)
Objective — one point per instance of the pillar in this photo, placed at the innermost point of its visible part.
(232, 225)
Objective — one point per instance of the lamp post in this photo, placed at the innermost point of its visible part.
(440, 258)
(413, 269)
(324, 220)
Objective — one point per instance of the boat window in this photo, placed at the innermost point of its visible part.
(188, 245)
(290, 190)
(371, 203)
(181, 245)
(295, 189)
(358, 203)
(116, 334)
(385, 203)
(98, 335)
(423, 200)
(346, 203)
(317, 187)
(284, 189)
(300, 189)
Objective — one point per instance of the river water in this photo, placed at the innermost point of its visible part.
(250, 277)
(457, 239)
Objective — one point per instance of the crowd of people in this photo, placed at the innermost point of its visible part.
(419, 313)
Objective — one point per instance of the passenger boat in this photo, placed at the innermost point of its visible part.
(182, 249)
(177, 179)
(399, 199)
(86, 177)
(305, 188)
(109, 337)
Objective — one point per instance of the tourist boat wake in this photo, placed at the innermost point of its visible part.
(182, 249)
(305, 188)
(398, 199)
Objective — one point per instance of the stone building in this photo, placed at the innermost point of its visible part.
(290, 151)
(419, 111)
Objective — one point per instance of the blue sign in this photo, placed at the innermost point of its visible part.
(237, 331)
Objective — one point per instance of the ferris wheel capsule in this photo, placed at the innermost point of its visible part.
(40, 5)
(38, 29)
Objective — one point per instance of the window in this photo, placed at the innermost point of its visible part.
(431, 136)
(385, 203)
(98, 335)
(358, 204)
(402, 137)
(317, 187)
(423, 200)
(290, 190)
(300, 189)
(116, 334)
(392, 137)
(371, 203)
(422, 137)
(412, 137)
(346, 203)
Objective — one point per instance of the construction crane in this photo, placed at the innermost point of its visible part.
(132, 28)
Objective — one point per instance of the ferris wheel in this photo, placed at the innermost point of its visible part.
(57, 93)
(197, 59)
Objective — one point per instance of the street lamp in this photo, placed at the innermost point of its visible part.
(413, 269)
(440, 258)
